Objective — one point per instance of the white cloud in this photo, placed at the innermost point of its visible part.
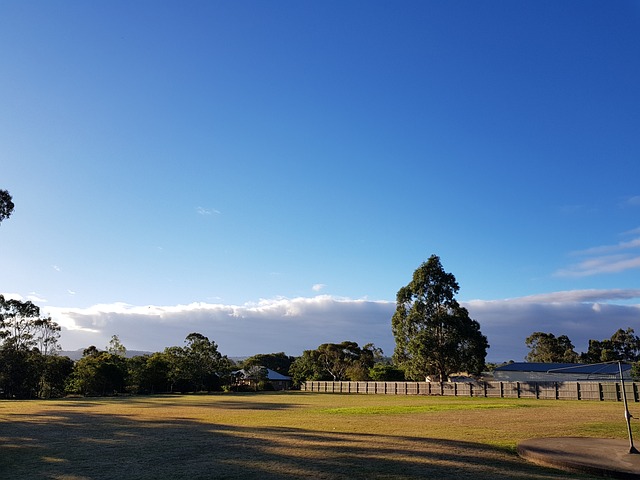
(290, 325)
(35, 298)
(56, 268)
(605, 259)
(13, 296)
(318, 287)
(633, 201)
(294, 325)
(592, 295)
(635, 243)
(207, 211)
(507, 323)
(600, 265)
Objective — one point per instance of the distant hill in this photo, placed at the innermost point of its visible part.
(77, 354)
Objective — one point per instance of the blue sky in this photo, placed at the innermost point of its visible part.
(270, 174)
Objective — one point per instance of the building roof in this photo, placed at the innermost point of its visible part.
(271, 375)
(568, 368)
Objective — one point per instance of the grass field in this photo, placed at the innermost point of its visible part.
(289, 435)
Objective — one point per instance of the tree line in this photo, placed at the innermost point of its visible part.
(434, 336)
(624, 345)
(31, 367)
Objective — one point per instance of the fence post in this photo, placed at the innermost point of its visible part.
(600, 392)
(518, 388)
(578, 391)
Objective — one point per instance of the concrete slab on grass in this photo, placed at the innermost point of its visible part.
(596, 456)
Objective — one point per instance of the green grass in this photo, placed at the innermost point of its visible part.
(397, 409)
(288, 436)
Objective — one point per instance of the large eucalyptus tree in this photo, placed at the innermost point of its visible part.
(434, 334)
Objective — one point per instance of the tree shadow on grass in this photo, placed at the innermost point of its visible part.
(232, 401)
(76, 445)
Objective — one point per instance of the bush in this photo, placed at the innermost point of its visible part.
(381, 372)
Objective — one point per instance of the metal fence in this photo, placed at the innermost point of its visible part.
(601, 391)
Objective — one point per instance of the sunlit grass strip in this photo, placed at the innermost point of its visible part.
(393, 410)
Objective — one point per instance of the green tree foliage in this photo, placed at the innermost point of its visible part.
(547, 348)
(49, 334)
(256, 375)
(334, 361)
(626, 345)
(99, 373)
(382, 372)
(54, 372)
(337, 358)
(116, 347)
(150, 373)
(91, 351)
(434, 334)
(19, 374)
(278, 362)
(6, 205)
(18, 324)
(198, 366)
(623, 345)
(27, 341)
(491, 366)
(307, 367)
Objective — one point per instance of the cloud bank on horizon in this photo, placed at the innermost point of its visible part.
(294, 325)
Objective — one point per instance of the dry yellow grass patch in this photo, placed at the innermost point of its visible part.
(287, 436)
